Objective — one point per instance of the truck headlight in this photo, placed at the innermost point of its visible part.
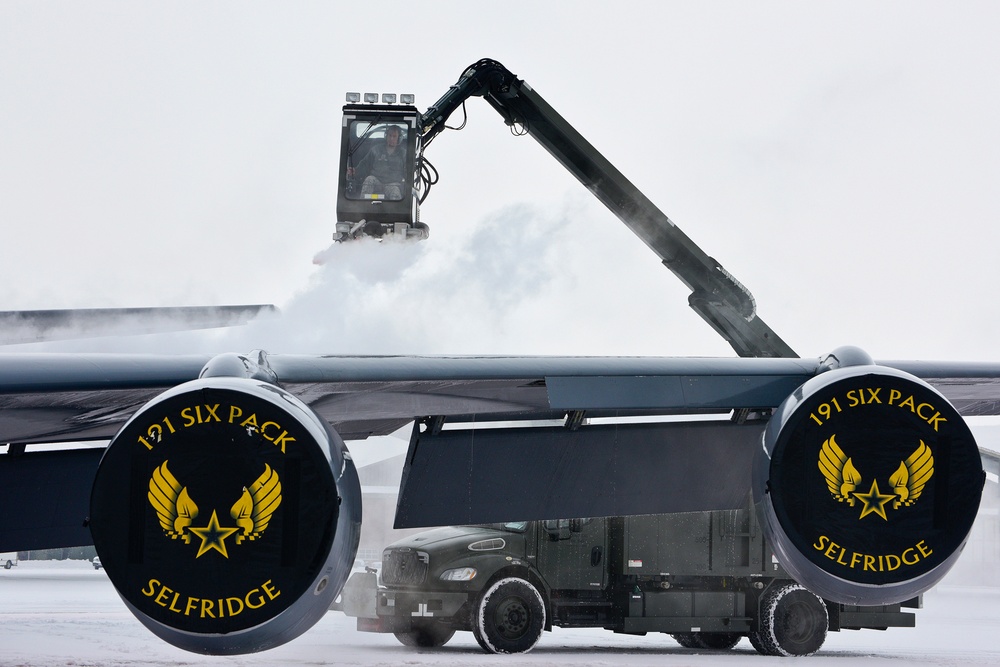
(458, 574)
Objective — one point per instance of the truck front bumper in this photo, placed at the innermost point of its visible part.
(388, 610)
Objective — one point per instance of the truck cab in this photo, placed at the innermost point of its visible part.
(706, 578)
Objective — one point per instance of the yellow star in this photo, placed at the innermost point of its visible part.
(213, 536)
(874, 501)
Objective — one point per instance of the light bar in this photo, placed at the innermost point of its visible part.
(388, 98)
(407, 98)
(353, 98)
(371, 98)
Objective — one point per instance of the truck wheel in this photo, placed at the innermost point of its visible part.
(719, 641)
(509, 617)
(8, 565)
(426, 635)
(685, 639)
(793, 621)
(757, 642)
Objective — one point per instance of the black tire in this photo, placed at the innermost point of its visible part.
(509, 617)
(792, 622)
(715, 641)
(426, 635)
(685, 639)
(757, 642)
(8, 565)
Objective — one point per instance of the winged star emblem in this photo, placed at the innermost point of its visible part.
(176, 510)
(907, 483)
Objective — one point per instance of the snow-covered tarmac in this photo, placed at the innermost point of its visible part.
(67, 613)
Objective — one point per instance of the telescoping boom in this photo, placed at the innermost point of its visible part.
(398, 134)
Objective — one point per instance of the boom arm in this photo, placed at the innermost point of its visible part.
(715, 295)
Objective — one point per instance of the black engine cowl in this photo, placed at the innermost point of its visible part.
(227, 515)
(868, 483)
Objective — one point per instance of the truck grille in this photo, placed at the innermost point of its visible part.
(406, 567)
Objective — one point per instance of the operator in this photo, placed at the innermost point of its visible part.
(384, 167)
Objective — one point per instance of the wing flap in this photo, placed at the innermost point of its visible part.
(45, 498)
(514, 474)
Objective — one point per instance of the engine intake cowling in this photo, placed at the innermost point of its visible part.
(227, 515)
(868, 483)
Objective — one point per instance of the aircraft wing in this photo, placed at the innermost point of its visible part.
(50, 398)
(69, 397)
(33, 326)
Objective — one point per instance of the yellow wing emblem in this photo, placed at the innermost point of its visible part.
(909, 479)
(255, 507)
(174, 507)
(908, 482)
(841, 475)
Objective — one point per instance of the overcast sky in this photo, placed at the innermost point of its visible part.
(840, 159)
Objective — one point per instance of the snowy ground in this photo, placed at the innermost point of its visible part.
(66, 613)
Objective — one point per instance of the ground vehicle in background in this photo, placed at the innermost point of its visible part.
(706, 578)
(8, 559)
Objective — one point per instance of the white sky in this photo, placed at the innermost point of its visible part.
(840, 159)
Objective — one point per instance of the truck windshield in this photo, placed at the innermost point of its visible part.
(514, 526)
(509, 527)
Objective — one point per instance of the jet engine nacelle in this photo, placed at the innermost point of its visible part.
(227, 515)
(868, 483)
